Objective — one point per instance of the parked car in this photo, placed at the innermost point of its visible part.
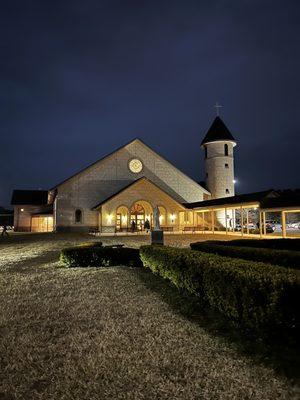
(272, 221)
(8, 227)
(294, 225)
(251, 225)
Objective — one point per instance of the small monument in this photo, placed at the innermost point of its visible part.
(157, 234)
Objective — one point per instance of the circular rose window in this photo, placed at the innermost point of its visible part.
(135, 166)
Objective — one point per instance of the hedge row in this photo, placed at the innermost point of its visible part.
(285, 258)
(278, 244)
(256, 295)
(95, 255)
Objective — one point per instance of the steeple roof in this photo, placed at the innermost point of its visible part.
(217, 131)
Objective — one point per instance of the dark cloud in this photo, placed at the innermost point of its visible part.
(78, 79)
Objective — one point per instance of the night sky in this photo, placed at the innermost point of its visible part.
(81, 78)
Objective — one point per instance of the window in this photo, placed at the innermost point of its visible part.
(226, 165)
(135, 165)
(205, 152)
(78, 216)
(226, 149)
(206, 175)
(227, 191)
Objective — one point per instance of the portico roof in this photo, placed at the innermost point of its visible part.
(255, 197)
(266, 200)
(127, 186)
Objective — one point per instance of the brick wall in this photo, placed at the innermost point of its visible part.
(108, 176)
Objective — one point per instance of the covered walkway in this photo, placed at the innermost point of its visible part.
(259, 214)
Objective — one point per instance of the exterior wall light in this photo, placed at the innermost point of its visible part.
(234, 181)
(22, 210)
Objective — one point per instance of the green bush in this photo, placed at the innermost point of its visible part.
(277, 244)
(98, 256)
(256, 295)
(285, 258)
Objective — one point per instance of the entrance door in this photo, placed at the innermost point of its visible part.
(139, 220)
(137, 214)
(119, 222)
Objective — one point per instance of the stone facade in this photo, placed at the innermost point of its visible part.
(219, 169)
(143, 191)
(108, 176)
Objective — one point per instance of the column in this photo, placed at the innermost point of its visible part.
(242, 221)
(213, 221)
(226, 221)
(283, 222)
(247, 214)
(260, 223)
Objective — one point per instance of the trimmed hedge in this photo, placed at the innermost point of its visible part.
(98, 256)
(255, 295)
(284, 258)
(276, 244)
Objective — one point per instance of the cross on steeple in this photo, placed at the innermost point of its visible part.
(217, 106)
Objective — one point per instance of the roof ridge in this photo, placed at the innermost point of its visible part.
(121, 147)
(95, 162)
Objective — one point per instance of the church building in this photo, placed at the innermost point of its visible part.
(120, 191)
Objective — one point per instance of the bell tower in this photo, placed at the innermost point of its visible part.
(218, 145)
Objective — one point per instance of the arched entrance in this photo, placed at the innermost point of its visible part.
(122, 218)
(140, 211)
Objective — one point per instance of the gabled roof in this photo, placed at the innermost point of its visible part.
(218, 131)
(94, 163)
(285, 198)
(254, 197)
(121, 147)
(132, 184)
(30, 197)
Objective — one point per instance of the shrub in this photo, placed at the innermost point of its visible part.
(285, 258)
(279, 244)
(99, 256)
(256, 295)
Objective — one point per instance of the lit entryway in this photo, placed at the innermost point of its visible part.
(41, 223)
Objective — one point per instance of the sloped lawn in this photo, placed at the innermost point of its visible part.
(114, 333)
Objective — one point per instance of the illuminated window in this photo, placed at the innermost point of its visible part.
(135, 166)
(226, 165)
(226, 149)
(227, 191)
(78, 216)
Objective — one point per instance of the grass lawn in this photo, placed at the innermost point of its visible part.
(115, 333)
